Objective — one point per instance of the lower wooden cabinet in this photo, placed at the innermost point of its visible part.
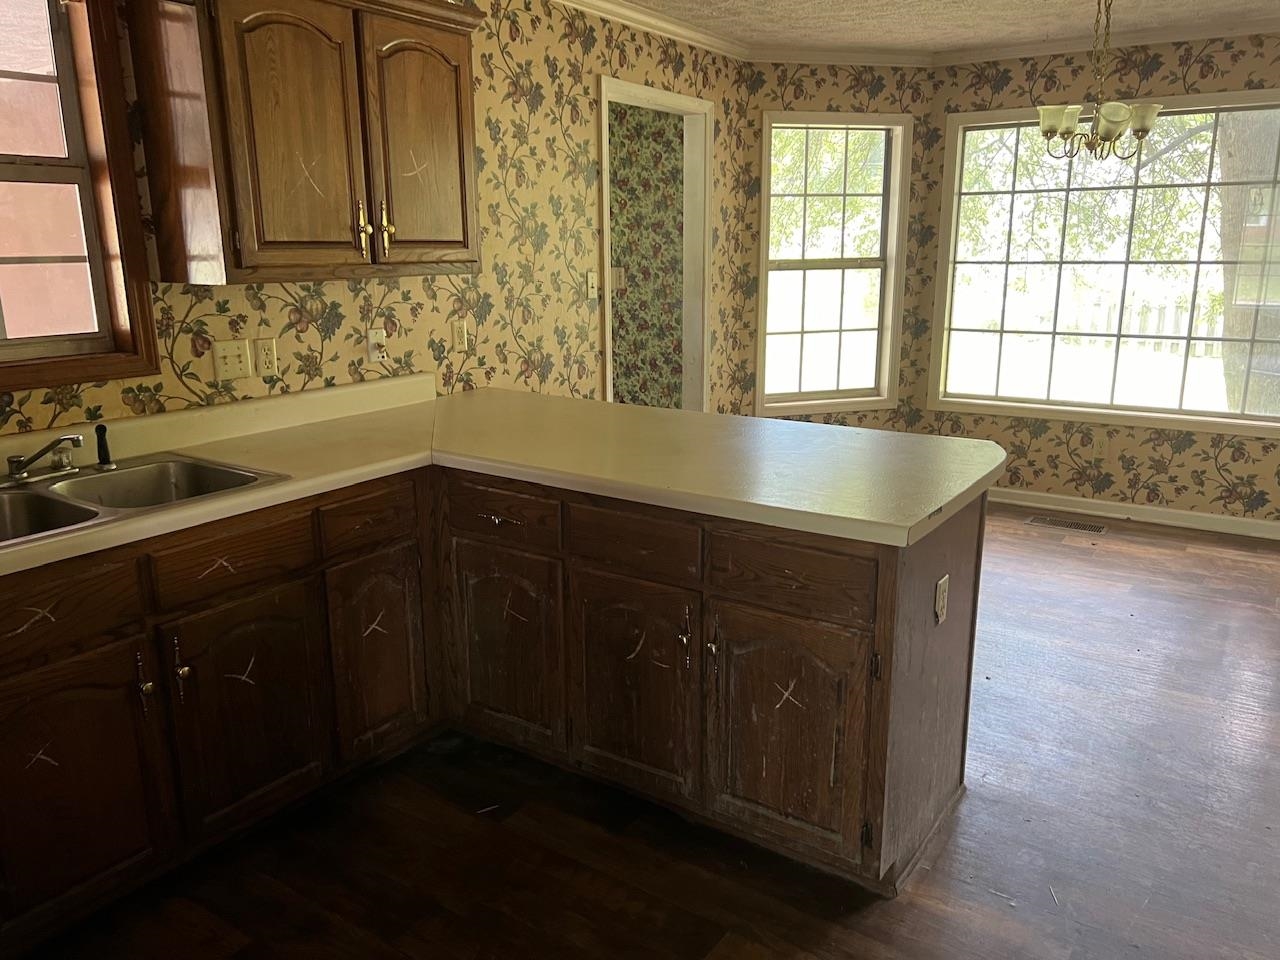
(510, 632)
(634, 677)
(83, 806)
(251, 729)
(787, 725)
(375, 635)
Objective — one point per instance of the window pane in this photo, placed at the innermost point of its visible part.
(1157, 300)
(1247, 141)
(31, 119)
(1207, 319)
(1149, 373)
(859, 356)
(823, 218)
(821, 300)
(1177, 150)
(1089, 301)
(786, 161)
(1030, 297)
(1264, 381)
(1082, 369)
(1098, 225)
(1112, 172)
(41, 220)
(1238, 224)
(781, 363)
(982, 230)
(865, 159)
(786, 223)
(977, 296)
(1206, 387)
(46, 299)
(1268, 322)
(861, 299)
(25, 45)
(1166, 223)
(1036, 169)
(786, 291)
(862, 227)
(971, 363)
(1037, 226)
(820, 369)
(826, 161)
(1024, 366)
(988, 159)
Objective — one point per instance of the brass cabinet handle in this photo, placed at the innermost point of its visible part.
(364, 229)
(181, 671)
(686, 638)
(388, 228)
(498, 521)
(146, 688)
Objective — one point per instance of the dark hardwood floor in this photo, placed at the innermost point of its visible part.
(1123, 801)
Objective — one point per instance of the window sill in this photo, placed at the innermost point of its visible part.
(800, 408)
(1109, 416)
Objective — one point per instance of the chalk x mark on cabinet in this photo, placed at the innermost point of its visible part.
(639, 646)
(41, 757)
(418, 168)
(508, 612)
(220, 562)
(376, 626)
(306, 176)
(787, 695)
(37, 615)
(244, 677)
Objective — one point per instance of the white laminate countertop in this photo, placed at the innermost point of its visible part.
(872, 485)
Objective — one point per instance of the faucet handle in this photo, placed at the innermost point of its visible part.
(104, 451)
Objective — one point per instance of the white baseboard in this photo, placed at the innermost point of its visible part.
(1114, 509)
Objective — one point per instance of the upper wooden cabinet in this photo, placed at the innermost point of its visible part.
(318, 139)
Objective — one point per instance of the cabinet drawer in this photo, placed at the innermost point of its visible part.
(369, 520)
(517, 518)
(825, 586)
(253, 549)
(635, 542)
(51, 609)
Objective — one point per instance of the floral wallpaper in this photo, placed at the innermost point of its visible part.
(536, 88)
(646, 225)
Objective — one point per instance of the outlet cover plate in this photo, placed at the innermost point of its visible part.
(231, 359)
(264, 357)
(378, 345)
(940, 598)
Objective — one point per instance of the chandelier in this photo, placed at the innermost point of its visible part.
(1110, 119)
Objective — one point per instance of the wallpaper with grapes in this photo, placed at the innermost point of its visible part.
(536, 84)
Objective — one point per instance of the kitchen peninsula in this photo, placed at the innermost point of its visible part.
(767, 625)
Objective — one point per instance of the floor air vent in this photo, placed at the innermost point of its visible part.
(1082, 526)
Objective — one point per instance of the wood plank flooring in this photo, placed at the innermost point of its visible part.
(1123, 801)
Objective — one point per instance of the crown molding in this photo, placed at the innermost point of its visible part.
(640, 18)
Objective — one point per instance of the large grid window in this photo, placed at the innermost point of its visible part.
(51, 289)
(832, 218)
(1149, 285)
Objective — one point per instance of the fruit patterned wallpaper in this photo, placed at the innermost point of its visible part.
(536, 94)
(646, 221)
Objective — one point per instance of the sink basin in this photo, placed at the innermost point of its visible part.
(153, 484)
(25, 514)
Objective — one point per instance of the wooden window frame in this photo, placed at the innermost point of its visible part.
(126, 345)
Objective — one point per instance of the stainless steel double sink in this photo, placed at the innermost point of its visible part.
(39, 506)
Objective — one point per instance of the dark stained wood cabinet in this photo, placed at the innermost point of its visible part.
(316, 139)
(421, 134)
(787, 725)
(290, 85)
(84, 804)
(250, 725)
(510, 630)
(635, 667)
(376, 638)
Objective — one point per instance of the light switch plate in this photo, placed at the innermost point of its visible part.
(378, 346)
(231, 359)
(940, 598)
(593, 285)
(264, 357)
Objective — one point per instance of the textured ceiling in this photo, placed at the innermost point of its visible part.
(920, 28)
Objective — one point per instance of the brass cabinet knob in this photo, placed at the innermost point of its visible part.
(147, 688)
(183, 672)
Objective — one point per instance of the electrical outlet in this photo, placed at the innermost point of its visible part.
(593, 285)
(231, 359)
(461, 336)
(940, 598)
(264, 357)
(378, 346)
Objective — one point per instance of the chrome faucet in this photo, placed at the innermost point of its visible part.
(18, 466)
